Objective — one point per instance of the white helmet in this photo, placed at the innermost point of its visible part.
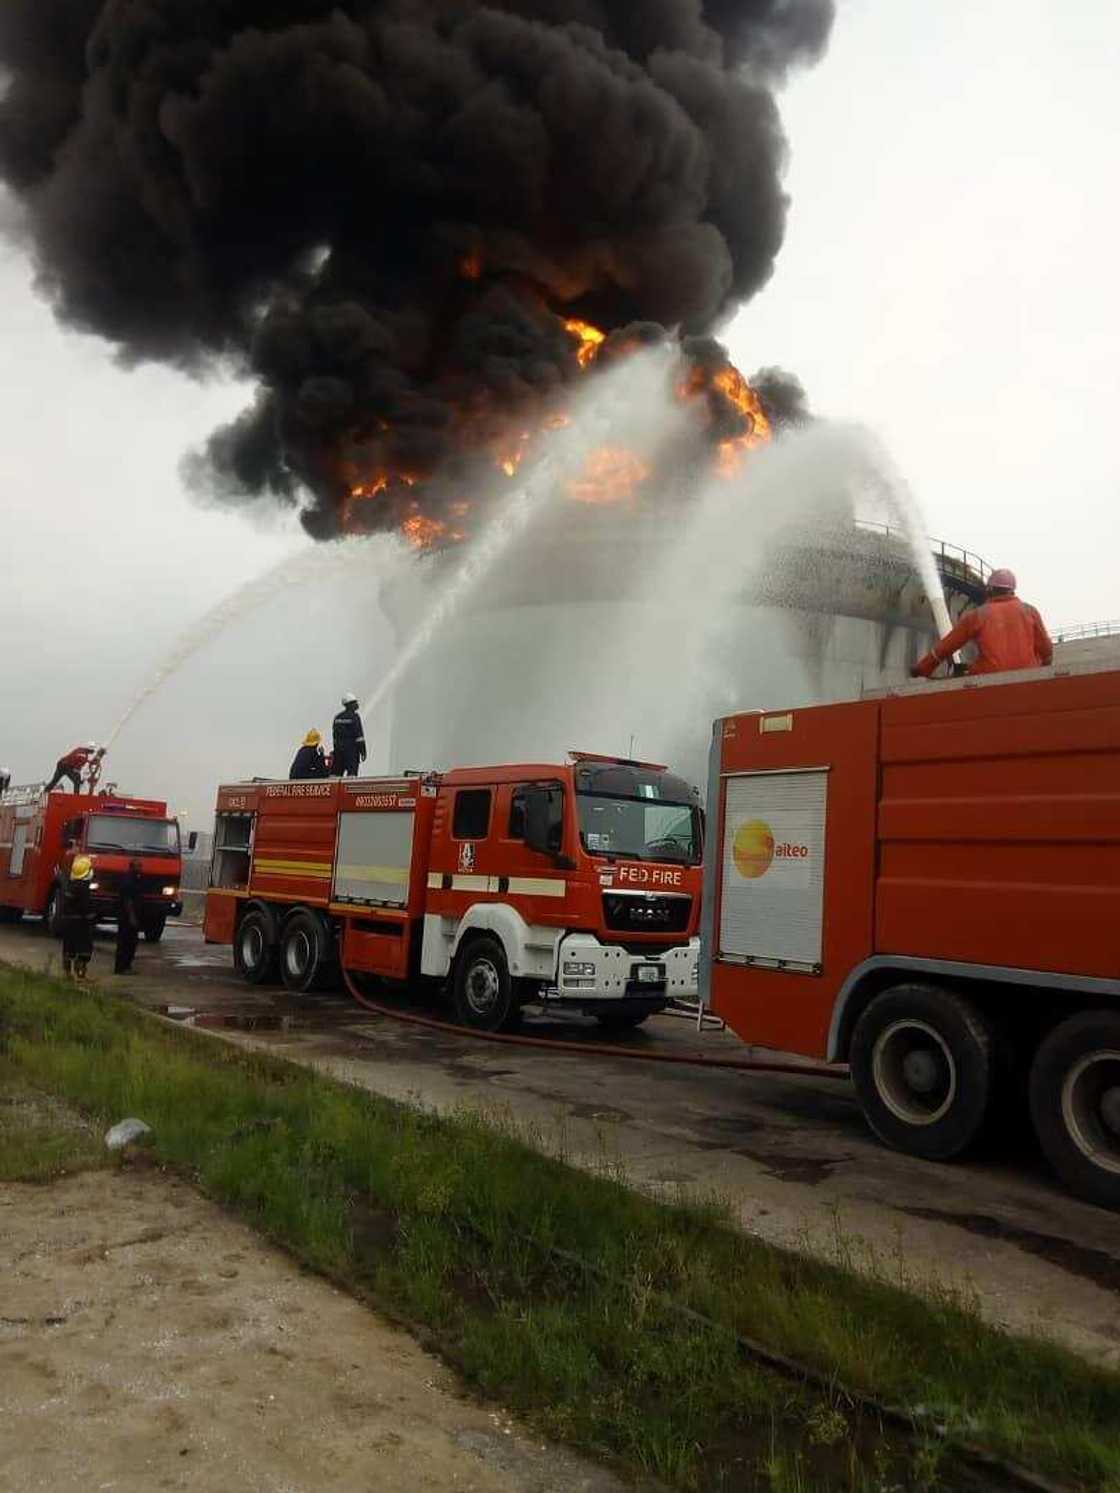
(349, 698)
(91, 746)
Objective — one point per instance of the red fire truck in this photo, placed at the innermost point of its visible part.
(576, 883)
(927, 887)
(41, 833)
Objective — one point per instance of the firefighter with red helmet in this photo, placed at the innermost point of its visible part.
(1008, 634)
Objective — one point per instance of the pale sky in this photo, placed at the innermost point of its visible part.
(951, 272)
(949, 278)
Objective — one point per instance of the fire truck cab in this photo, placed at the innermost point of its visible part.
(576, 883)
(41, 833)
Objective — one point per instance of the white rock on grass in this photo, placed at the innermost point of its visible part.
(125, 1132)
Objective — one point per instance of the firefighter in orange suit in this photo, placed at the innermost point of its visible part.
(1008, 633)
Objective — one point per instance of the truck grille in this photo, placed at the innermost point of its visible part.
(109, 884)
(642, 913)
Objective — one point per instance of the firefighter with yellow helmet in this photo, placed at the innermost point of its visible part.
(77, 919)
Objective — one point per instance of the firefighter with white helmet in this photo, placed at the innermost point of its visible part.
(349, 739)
(72, 765)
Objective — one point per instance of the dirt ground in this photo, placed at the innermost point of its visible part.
(148, 1341)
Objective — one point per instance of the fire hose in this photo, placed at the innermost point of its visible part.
(598, 1049)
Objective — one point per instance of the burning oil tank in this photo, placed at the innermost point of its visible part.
(586, 634)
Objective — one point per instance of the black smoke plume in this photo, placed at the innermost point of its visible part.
(383, 210)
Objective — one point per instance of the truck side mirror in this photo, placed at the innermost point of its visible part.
(192, 842)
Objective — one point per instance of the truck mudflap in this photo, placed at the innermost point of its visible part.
(587, 971)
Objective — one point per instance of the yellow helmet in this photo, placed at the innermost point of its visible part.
(82, 869)
(313, 738)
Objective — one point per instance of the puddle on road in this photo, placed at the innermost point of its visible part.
(1094, 1265)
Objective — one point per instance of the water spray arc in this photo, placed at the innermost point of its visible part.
(307, 566)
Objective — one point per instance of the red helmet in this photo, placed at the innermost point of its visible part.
(1002, 580)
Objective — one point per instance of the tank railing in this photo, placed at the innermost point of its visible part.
(25, 793)
(1081, 630)
(951, 558)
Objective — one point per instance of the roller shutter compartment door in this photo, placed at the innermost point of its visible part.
(773, 868)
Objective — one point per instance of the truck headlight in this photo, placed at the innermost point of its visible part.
(577, 968)
(93, 886)
(169, 891)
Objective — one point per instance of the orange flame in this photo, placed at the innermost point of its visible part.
(732, 383)
(610, 475)
(590, 338)
(470, 266)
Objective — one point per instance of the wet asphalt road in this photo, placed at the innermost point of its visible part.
(791, 1156)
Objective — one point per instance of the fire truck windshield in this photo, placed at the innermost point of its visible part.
(637, 814)
(132, 836)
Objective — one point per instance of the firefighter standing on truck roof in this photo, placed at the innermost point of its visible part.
(349, 739)
(309, 761)
(71, 766)
(1008, 633)
(76, 921)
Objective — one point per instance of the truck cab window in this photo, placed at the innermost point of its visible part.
(471, 820)
(517, 816)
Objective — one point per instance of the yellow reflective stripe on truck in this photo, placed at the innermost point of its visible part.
(320, 870)
(386, 875)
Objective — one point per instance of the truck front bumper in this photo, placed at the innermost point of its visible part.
(591, 974)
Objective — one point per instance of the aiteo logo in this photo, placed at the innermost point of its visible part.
(755, 849)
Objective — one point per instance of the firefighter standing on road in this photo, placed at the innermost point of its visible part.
(309, 761)
(1008, 633)
(130, 903)
(76, 921)
(349, 739)
(72, 765)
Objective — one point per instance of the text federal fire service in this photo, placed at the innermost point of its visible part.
(926, 885)
(41, 833)
(576, 884)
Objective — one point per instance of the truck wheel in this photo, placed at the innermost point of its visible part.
(1075, 1104)
(483, 990)
(255, 949)
(52, 915)
(154, 931)
(621, 1021)
(11, 914)
(922, 1068)
(306, 953)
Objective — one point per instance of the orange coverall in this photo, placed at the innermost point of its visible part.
(1008, 633)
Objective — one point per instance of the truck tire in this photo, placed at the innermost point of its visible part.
(11, 914)
(153, 932)
(52, 913)
(1075, 1104)
(921, 1061)
(255, 947)
(307, 956)
(482, 989)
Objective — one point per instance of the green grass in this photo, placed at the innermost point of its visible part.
(454, 1227)
(39, 1138)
